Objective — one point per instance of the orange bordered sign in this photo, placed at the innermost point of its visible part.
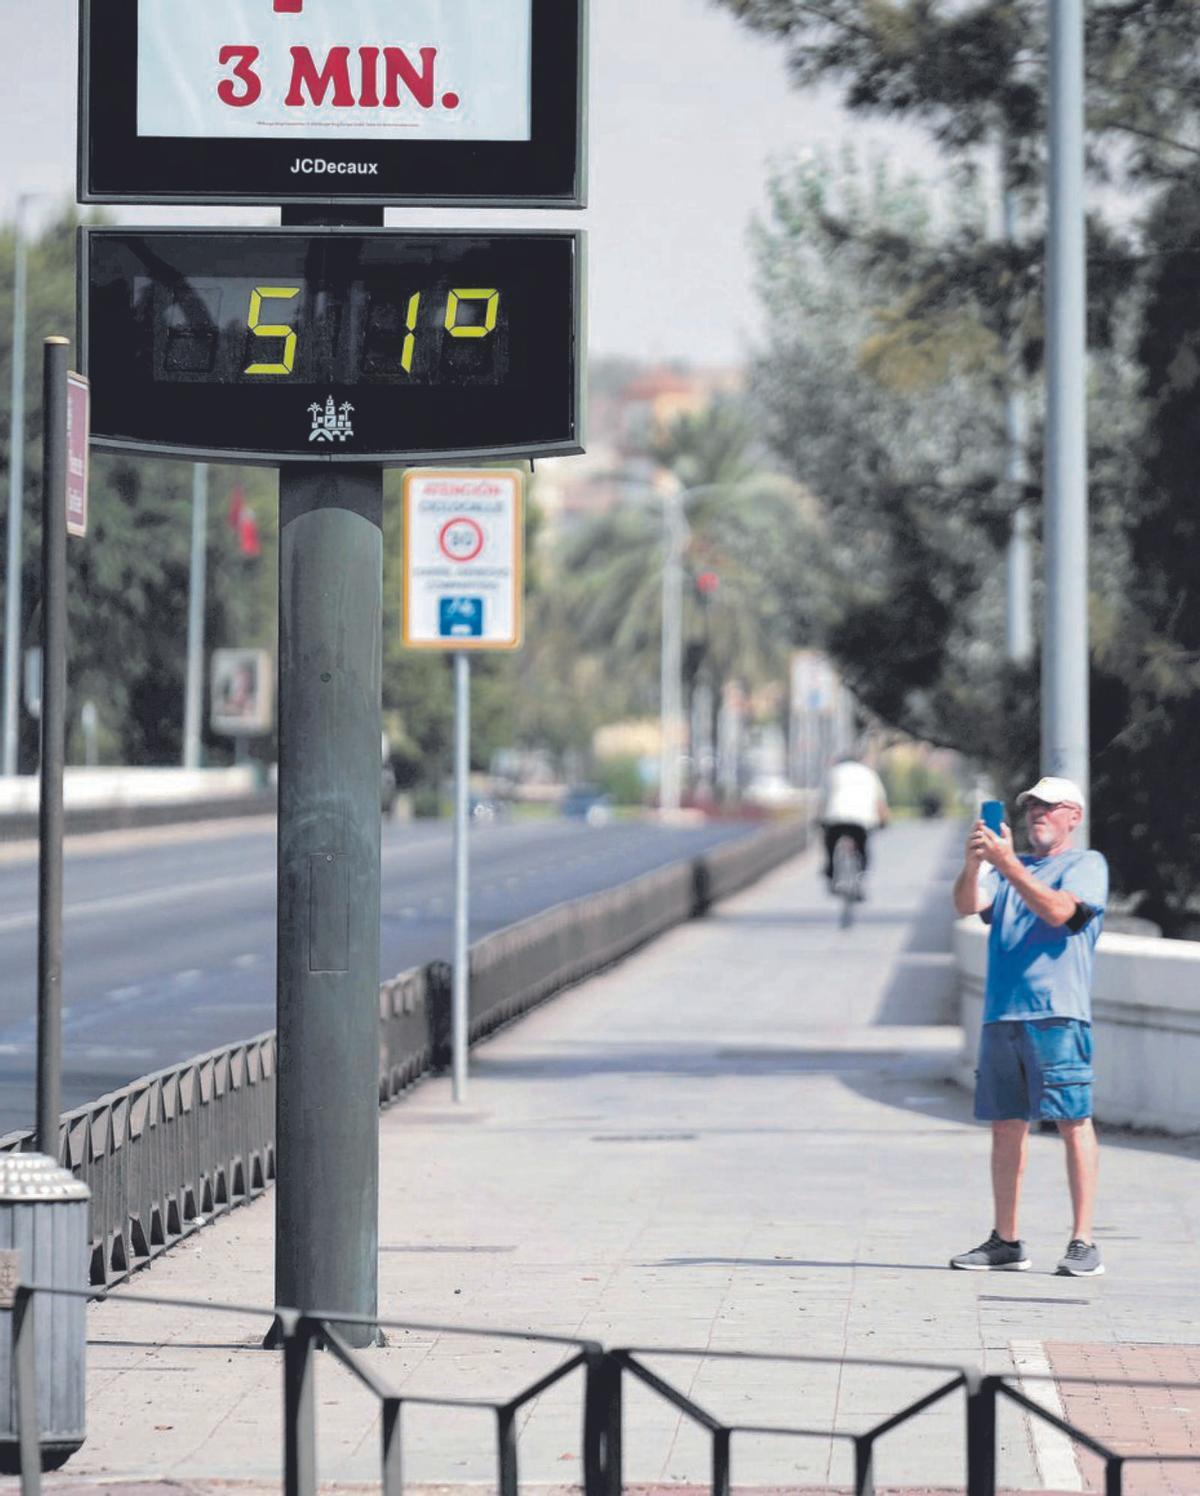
(463, 558)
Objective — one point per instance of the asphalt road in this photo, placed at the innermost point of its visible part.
(170, 936)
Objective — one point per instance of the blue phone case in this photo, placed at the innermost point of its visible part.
(991, 813)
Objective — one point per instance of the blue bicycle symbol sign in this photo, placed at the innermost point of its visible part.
(460, 617)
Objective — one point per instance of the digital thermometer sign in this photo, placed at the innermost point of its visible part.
(281, 345)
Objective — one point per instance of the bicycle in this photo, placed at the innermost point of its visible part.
(847, 878)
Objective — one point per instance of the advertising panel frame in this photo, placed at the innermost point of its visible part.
(227, 666)
(117, 165)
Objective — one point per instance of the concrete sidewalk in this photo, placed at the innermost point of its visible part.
(742, 1138)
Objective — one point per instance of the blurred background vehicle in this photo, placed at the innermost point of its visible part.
(486, 808)
(587, 802)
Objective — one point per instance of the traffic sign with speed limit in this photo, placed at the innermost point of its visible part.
(463, 537)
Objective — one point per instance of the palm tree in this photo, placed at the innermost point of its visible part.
(751, 532)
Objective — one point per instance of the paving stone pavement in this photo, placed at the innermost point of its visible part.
(743, 1138)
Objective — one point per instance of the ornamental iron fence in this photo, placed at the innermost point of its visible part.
(298, 1335)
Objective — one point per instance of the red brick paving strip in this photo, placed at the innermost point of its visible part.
(90, 1486)
(62, 1485)
(1162, 1419)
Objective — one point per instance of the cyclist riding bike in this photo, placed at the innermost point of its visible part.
(853, 803)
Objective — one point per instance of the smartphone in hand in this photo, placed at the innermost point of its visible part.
(991, 813)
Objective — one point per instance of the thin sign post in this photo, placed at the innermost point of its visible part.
(54, 690)
(79, 398)
(460, 996)
(463, 578)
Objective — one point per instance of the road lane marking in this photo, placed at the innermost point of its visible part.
(164, 894)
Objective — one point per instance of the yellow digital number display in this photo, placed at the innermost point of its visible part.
(282, 330)
(475, 329)
(410, 340)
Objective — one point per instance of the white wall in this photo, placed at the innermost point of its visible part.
(1146, 1026)
(87, 789)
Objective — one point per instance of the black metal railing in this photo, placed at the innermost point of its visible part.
(172, 1150)
(298, 1335)
(629, 1362)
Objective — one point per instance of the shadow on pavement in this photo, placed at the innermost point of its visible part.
(908, 1267)
(691, 1061)
(866, 914)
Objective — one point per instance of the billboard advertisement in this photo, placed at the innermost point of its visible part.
(350, 70)
(242, 692)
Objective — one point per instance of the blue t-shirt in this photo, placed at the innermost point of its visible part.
(1039, 970)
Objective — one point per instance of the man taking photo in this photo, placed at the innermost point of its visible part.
(1045, 911)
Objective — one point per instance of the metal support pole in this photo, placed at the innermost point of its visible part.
(1019, 619)
(392, 1470)
(330, 651)
(864, 1467)
(720, 1462)
(16, 502)
(1019, 612)
(460, 1009)
(54, 691)
(194, 689)
(506, 1452)
(299, 1406)
(1065, 651)
(670, 684)
(24, 1361)
(981, 1436)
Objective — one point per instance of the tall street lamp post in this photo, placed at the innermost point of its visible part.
(1065, 649)
(671, 673)
(16, 488)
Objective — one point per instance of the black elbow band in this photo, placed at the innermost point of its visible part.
(1081, 919)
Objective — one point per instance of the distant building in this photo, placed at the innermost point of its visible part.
(629, 408)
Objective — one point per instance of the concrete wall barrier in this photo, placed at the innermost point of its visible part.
(115, 799)
(1146, 1021)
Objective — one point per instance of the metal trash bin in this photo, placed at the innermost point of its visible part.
(44, 1240)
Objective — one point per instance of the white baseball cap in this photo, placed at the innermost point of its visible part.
(1054, 792)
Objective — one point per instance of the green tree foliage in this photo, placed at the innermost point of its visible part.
(128, 580)
(753, 531)
(1145, 769)
(893, 333)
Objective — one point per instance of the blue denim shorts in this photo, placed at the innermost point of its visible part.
(1034, 1068)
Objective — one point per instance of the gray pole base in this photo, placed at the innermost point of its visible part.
(327, 1113)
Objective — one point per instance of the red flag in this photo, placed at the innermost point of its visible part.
(237, 508)
(248, 537)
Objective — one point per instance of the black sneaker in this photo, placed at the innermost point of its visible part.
(994, 1256)
(1081, 1260)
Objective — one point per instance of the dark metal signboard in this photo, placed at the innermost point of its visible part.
(291, 101)
(333, 345)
